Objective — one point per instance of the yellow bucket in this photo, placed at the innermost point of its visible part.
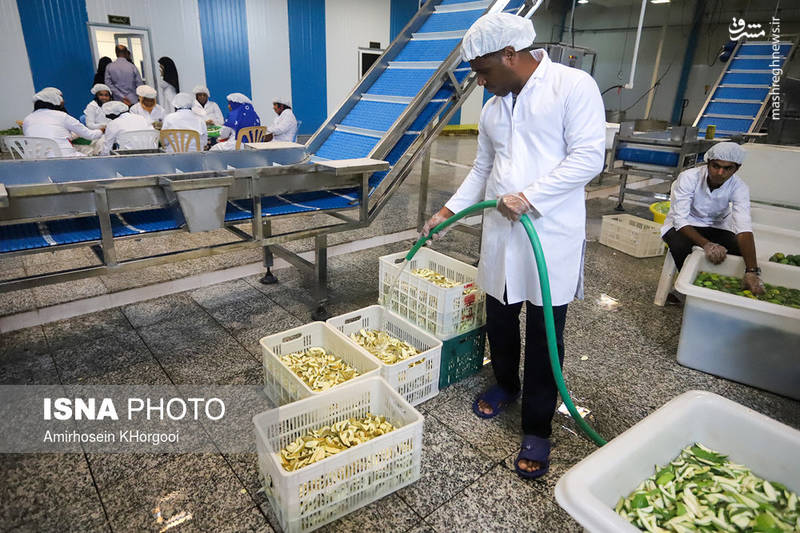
(659, 210)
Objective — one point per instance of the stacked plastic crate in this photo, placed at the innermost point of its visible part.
(453, 311)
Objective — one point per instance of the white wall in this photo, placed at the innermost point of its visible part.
(350, 24)
(16, 101)
(174, 29)
(268, 41)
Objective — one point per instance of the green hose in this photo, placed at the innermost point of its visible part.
(547, 304)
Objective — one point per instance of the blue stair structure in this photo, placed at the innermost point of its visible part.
(418, 82)
(740, 101)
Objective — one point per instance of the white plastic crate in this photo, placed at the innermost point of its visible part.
(283, 386)
(736, 337)
(589, 490)
(416, 378)
(443, 312)
(329, 489)
(635, 236)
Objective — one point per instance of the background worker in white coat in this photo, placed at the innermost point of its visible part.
(147, 105)
(206, 108)
(50, 122)
(710, 208)
(185, 119)
(121, 120)
(284, 127)
(541, 140)
(95, 118)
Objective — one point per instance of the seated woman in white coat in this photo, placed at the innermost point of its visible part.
(95, 118)
(242, 115)
(205, 108)
(147, 105)
(284, 127)
(185, 119)
(120, 120)
(49, 121)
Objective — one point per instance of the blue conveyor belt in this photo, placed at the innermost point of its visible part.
(648, 157)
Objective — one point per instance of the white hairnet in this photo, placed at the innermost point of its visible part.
(282, 100)
(114, 107)
(225, 132)
(145, 91)
(183, 101)
(201, 89)
(494, 32)
(239, 98)
(55, 90)
(99, 87)
(51, 95)
(726, 151)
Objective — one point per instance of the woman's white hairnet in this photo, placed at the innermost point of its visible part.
(51, 95)
(238, 98)
(282, 100)
(183, 101)
(145, 91)
(99, 87)
(726, 151)
(114, 107)
(494, 32)
(201, 89)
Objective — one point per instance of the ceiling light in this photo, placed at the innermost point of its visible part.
(583, 1)
(659, 1)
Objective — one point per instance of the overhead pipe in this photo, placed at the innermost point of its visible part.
(629, 85)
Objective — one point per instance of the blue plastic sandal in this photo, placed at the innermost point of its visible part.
(497, 398)
(534, 449)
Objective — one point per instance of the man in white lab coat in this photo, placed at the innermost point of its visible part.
(50, 122)
(284, 127)
(710, 208)
(541, 140)
(121, 120)
(206, 108)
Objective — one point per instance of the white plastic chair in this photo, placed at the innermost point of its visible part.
(22, 147)
(138, 140)
(299, 123)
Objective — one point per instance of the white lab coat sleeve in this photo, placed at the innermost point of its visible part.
(740, 209)
(282, 124)
(473, 188)
(112, 131)
(584, 135)
(680, 201)
(74, 125)
(215, 114)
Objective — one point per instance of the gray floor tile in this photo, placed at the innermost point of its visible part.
(17, 301)
(68, 291)
(449, 464)
(387, 514)
(80, 329)
(48, 492)
(160, 309)
(498, 501)
(98, 357)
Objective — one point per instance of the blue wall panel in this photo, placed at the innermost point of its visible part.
(57, 40)
(223, 31)
(400, 12)
(307, 52)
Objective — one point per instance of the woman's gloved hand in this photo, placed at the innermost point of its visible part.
(715, 252)
(752, 282)
(442, 215)
(513, 206)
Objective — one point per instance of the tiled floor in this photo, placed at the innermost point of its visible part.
(210, 335)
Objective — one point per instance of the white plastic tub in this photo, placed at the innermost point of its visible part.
(738, 338)
(322, 492)
(416, 378)
(590, 490)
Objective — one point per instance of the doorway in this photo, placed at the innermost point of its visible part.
(105, 37)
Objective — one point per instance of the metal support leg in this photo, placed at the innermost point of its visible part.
(320, 277)
(423, 189)
(623, 183)
(269, 260)
(106, 233)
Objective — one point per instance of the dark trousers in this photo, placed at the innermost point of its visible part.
(539, 391)
(680, 246)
